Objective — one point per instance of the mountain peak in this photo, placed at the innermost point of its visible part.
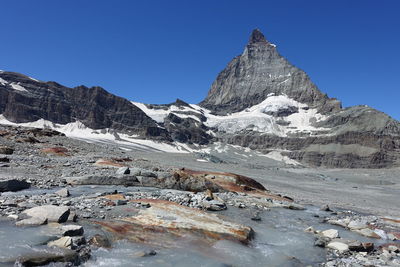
(257, 37)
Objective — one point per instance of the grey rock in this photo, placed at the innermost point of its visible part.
(63, 192)
(123, 170)
(50, 212)
(32, 221)
(63, 242)
(102, 180)
(294, 206)
(214, 205)
(321, 241)
(100, 241)
(256, 217)
(146, 253)
(121, 202)
(325, 208)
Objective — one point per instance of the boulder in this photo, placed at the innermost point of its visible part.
(32, 221)
(368, 233)
(331, 233)
(123, 170)
(50, 212)
(63, 192)
(339, 246)
(63, 242)
(100, 241)
(13, 185)
(325, 208)
(382, 234)
(356, 225)
(214, 205)
(72, 230)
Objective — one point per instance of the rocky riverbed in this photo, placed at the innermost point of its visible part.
(66, 202)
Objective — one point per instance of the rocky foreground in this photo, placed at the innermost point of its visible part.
(80, 199)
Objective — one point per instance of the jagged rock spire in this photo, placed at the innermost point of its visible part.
(257, 37)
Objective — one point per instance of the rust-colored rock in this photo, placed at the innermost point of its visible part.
(114, 197)
(108, 163)
(224, 181)
(168, 224)
(58, 151)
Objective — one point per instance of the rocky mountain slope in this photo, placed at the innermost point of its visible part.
(259, 101)
(24, 99)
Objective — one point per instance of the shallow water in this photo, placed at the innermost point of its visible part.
(279, 240)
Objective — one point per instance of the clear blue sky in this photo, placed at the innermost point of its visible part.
(157, 51)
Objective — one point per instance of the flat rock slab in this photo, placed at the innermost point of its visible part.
(103, 180)
(43, 257)
(13, 185)
(50, 212)
(32, 221)
(165, 222)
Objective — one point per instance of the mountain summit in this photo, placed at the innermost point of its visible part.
(259, 72)
(256, 37)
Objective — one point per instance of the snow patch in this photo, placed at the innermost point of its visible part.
(255, 119)
(277, 155)
(78, 130)
(3, 82)
(159, 114)
(33, 79)
(18, 87)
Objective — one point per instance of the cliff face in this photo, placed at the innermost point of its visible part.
(261, 71)
(23, 99)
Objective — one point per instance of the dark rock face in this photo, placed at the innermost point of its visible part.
(13, 185)
(249, 78)
(94, 107)
(187, 130)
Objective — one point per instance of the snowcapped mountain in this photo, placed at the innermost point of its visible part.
(259, 103)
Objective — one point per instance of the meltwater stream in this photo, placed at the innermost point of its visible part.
(279, 240)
